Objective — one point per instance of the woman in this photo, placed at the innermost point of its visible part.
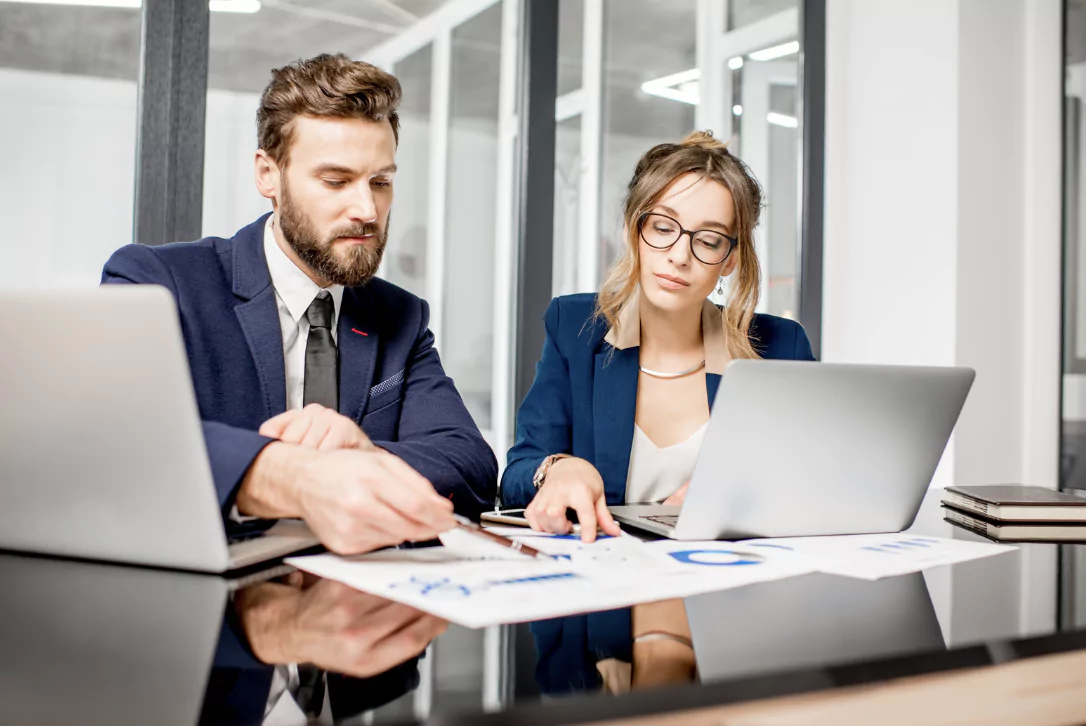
(622, 394)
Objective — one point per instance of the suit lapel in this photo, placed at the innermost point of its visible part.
(258, 315)
(614, 405)
(712, 383)
(358, 345)
(259, 320)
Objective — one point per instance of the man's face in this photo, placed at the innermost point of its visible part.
(333, 198)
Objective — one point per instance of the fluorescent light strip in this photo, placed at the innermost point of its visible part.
(88, 3)
(676, 87)
(217, 6)
(777, 51)
(234, 6)
(780, 119)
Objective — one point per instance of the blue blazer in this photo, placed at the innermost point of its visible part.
(584, 396)
(390, 377)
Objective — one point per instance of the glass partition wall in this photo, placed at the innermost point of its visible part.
(631, 74)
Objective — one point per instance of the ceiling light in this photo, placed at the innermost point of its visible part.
(92, 3)
(234, 6)
(777, 51)
(781, 119)
(735, 63)
(217, 6)
(677, 87)
(737, 110)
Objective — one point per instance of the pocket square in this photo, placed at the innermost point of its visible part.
(387, 384)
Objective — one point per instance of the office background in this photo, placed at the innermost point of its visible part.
(923, 201)
(625, 75)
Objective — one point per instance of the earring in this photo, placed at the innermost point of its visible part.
(720, 286)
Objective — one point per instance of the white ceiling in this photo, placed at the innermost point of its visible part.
(645, 39)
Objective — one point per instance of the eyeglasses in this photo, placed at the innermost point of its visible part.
(661, 232)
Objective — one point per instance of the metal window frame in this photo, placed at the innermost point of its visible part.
(436, 233)
(813, 171)
(505, 256)
(535, 202)
(172, 108)
(589, 251)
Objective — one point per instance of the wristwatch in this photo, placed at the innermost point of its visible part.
(541, 472)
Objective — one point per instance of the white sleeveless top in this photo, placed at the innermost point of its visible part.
(655, 474)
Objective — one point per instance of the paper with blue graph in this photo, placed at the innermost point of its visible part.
(611, 573)
(875, 556)
(477, 586)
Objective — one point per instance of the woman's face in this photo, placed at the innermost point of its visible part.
(674, 279)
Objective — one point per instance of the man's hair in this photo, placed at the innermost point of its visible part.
(327, 86)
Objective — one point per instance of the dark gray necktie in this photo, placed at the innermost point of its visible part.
(321, 357)
(321, 386)
(310, 695)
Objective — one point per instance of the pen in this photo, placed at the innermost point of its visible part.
(466, 524)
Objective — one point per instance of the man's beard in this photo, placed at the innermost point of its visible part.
(354, 268)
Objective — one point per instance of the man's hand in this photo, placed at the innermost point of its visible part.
(572, 483)
(316, 427)
(332, 626)
(354, 501)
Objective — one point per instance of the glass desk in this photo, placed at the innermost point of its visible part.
(97, 643)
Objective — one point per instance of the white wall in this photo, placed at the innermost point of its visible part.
(230, 197)
(67, 170)
(942, 238)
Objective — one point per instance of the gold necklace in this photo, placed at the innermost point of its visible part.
(680, 374)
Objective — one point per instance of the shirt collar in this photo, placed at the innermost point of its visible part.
(292, 285)
(627, 332)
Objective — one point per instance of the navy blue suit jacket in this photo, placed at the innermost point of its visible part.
(390, 377)
(583, 399)
(583, 402)
(239, 684)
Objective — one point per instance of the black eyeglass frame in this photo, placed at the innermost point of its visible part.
(683, 231)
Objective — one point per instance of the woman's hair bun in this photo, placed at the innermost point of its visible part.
(704, 140)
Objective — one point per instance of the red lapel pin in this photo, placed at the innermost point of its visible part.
(356, 330)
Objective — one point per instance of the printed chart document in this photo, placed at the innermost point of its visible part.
(874, 556)
(614, 572)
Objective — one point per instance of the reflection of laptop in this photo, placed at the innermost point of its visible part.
(808, 621)
(796, 449)
(101, 449)
(108, 644)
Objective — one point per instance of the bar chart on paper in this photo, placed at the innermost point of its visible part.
(874, 556)
(609, 573)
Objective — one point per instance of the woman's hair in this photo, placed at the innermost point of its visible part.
(702, 154)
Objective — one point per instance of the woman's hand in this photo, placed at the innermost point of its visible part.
(572, 483)
(678, 497)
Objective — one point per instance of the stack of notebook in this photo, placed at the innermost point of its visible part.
(1017, 513)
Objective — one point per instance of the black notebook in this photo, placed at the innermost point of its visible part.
(1017, 503)
(1016, 531)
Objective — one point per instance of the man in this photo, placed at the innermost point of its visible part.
(321, 393)
(369, 646)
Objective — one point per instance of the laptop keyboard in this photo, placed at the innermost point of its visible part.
(668, 520)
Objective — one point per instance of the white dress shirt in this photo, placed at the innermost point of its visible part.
(656, 473)
(294, 293)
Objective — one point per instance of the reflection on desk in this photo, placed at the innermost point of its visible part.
(103, 644)
(124, 645)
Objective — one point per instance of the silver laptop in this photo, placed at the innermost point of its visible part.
(796, 449)
(109, 644)
(810, 621)
(101, 449)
